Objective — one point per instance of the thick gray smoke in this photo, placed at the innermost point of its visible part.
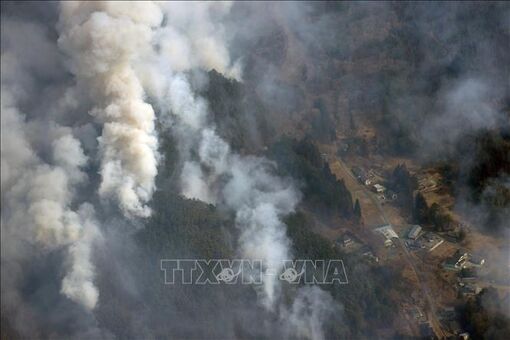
(43, 172)
(36, 202)
(81, 106)
(104, 40)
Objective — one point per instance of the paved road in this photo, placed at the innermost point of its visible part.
(432, 316)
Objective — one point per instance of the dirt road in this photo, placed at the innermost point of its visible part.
(370, 207)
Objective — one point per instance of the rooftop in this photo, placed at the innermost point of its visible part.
(387, 231)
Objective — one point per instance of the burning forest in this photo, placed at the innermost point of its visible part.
(234, 170)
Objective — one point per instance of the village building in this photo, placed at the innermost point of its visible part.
(388, 234)
(345, 241)
(387, 231)
(379, 188)
(457, 261)
(414, 232)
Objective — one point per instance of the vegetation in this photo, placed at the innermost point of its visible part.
(354, 146)
(449, 175)
(357, 211)
(321, 189)
(489, 178)
(420, 211)
(239, 117)
(367, 299)
(323, 126)
(401, 182)
(433, 215)
(486, 315)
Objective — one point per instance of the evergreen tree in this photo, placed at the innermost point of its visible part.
(420, 211)
(357, 210)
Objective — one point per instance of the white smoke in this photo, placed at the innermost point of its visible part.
(42, 161)
(104, 40)
(306, 316)
(243, 184)
(464, 106)
(37, 198)
(193, 183)
(247, 186)
(78, 284)
(194, 38)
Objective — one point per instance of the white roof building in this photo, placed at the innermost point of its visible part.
(387, 231)
(379, 188)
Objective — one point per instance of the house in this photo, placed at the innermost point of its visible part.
(348, 242)
(387, 231)
(379, 188)
(414, 232)
(457, 261)
(345, 241)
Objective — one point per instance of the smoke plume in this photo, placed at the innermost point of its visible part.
(87, 103)
(211, 171)
(309, 311)
(36, 204)
(103, 41)
(245, 185)
(42, 173)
